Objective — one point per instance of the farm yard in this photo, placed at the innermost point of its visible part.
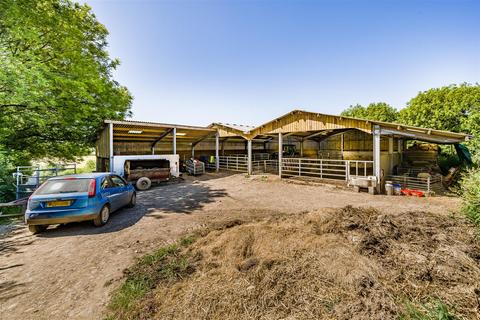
(267, 160)
(407, 250)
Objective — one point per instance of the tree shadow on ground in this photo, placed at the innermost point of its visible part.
(183, 198)
(179, 198)
(209, 175)
(12, 243)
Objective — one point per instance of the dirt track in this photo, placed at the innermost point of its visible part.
(69, 271)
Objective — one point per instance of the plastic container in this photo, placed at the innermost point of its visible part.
(389, 188)
(397, 189)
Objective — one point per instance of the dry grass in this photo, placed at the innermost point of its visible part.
(350, 263)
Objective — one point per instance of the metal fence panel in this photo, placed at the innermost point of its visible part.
(427, 184)
(28, 178)
(265, 166)
(325, 168)
(234, 163)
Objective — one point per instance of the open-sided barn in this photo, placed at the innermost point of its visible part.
(306, 144)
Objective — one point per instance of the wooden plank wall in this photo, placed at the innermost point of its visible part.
(102, 148)
(306, 121)
(353, 141)
(358, 145)
(226, 132)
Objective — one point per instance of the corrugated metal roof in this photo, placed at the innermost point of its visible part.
(393, 128)
(142, 131)
(240, 127)
(389, 124)
(157, 124)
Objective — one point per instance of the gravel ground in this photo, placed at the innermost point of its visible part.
(69, 271)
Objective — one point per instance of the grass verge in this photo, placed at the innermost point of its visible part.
(168, 263)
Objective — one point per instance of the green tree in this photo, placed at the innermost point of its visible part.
(453, 108)
(56, 84)
(380, 111)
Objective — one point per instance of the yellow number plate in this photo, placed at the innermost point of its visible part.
(58, 204)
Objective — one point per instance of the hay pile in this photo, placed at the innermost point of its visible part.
(350, 263)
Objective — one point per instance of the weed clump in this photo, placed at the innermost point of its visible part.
(470, 193)
(168, 264)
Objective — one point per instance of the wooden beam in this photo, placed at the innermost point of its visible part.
(120, 140)
(222, 141)
(217, 153)
(249, 157)
(174, 133)
(144, 130)
(376, 155)
(130, 135)
(280, 154)
(289, 134)
(203, 138)
(110, 146)
(301, 147)
(163, 135)
(315, 134)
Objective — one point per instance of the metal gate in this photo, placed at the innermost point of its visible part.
(28, 178)
(265, 166)
(234, 163)
(329, 169)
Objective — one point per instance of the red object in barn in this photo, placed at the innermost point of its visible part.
(410, 192)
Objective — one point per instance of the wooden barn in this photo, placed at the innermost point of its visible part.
(306, 144)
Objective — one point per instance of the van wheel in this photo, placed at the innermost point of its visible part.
(102, 217)
(133, 200)
(35, 229)
(143, 184)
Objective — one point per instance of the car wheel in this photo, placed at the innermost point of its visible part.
(143, 184)
(35, 229)
(102, 217)
(133, 200)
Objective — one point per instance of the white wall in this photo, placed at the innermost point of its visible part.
(119, 162)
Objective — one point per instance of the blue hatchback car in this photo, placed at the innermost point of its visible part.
(78, 197)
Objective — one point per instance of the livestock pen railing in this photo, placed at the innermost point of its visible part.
(326, 168)
(239, 162)
(301, 167)
(260, 156)
(255, 156)
(427, 184)
(233, 163)
(359, 168)
(265, 166)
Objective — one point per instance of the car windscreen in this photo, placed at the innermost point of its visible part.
(63, 186)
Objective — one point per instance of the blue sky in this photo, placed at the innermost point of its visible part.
(197, 62)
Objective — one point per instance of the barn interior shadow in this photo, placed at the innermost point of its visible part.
(11, 243)
(179, 198)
